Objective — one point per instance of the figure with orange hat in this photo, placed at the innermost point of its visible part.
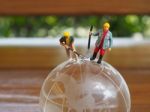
(103, 43)
(68, 42)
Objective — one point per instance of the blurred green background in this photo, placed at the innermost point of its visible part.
(53, 26)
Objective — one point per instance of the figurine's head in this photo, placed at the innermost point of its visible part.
(66, 34)
(106, 26)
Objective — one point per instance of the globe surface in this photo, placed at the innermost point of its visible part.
(84, 86)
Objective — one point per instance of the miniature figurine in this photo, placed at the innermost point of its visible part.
(103, 43)
(68, 42)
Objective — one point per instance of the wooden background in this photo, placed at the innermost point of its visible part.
(23, 69)
(73, 7)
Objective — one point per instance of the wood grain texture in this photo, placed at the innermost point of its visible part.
(129, 57)
(73, 7)
(31, 57)
(20, 89)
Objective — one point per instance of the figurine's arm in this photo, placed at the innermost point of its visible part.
(72, 44)
(73, 47)
(110, 40)
(62, 41)
(95, 34)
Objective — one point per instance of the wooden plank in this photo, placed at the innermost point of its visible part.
(131, 57)
(19, 89)
(31, 57)
(138, 82)
(73, 7)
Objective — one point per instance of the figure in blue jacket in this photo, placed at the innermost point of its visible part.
(103, 43)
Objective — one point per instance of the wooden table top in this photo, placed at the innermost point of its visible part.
(20, 89)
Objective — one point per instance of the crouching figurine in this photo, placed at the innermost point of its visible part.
(68, 42)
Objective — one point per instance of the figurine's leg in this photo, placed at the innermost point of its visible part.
(68, 53)
(102, 52)
(100, 59)
(73, 55)
(95, 53)
(94, 56)
(76, 57)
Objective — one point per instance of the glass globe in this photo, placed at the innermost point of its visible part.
(84, 86)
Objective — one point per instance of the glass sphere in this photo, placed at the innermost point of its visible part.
(84, 86)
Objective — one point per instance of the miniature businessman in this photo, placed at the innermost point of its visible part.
(103, 43)
(68, 42)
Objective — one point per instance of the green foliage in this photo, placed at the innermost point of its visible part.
(53, 26)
